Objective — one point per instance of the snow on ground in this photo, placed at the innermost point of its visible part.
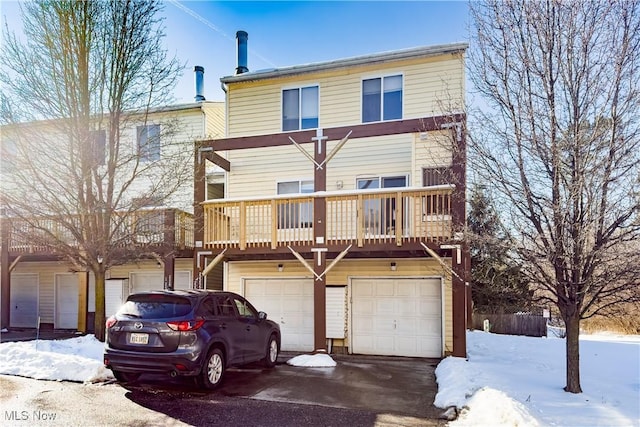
(74, 359)
(518, 381)
(312, 361)
(506, 381)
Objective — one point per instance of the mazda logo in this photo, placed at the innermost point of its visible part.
(137, 325)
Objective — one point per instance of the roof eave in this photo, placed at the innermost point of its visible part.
(397, 55)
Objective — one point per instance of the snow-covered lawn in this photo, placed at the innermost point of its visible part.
(507, 380)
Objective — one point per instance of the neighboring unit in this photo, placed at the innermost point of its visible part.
(39, 284)
(342, 207)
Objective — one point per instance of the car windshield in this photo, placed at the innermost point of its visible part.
(155, 306)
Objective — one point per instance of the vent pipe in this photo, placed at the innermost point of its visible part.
(242, 37)
(199, 70)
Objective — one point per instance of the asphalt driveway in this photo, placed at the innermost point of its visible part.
(400, 389)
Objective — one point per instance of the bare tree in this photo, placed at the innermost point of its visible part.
(558, 145)
(78, 91)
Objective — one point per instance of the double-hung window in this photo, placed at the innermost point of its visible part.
(149, 143)
(382, 99)
(8, 155)
(98, 140)
(294, 214)
(300, 108)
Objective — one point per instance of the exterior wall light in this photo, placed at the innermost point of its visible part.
(280, 267)
(394, 267)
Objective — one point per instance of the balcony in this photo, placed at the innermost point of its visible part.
(362, 218)
(158, 227)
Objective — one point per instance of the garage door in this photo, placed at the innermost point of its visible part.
(397, 317)
(24, 301)
(288, 302)
(66, 309)
(152, 281)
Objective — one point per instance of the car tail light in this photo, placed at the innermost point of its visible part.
(186, 325)
(111, 321)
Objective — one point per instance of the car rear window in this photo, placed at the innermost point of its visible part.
(155, 306)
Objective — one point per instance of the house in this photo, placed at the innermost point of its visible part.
(40, 286)
(341, 207)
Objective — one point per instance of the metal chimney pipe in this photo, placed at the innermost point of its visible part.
(242, 37)
(199, 70)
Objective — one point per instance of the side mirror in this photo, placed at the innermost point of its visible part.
(262, 315)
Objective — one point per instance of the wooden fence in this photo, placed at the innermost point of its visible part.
(531, 325)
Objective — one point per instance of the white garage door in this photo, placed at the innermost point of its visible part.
(66, 309)
(145, 281)
(397, 317)
(24, 301)
(288, 302)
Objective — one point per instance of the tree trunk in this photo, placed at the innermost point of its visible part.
(572, 324)
(99, 325)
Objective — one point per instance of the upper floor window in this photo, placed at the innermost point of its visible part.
(149, 143)
(8, 154)
(98, 140)
(382, 99)
(300, 108)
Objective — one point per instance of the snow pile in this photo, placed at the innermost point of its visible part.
(488, 407)
(75, 359)
(312, 361)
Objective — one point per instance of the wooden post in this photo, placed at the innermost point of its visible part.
(83, 300)
(320, 240)
(5, 273)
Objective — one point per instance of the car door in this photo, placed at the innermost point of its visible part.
(231, 328)
(255, 342)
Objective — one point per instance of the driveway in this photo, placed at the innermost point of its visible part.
(400, 390)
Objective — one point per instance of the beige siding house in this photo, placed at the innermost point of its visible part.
(343, 201)
(39, 286)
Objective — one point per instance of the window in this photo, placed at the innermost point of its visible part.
(300, 108)
(382, 99)
(380, 213)
(245, 309)
(295, 214)
(98, 140)
(149, 143)
(8, 154)
(436, 204)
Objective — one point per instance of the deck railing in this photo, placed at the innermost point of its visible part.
(381, 216)
(147, 227)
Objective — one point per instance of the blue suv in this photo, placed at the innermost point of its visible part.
(196, 333)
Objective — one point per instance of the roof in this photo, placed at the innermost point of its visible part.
(396, 55)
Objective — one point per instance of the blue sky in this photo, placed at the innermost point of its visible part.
(291, 33)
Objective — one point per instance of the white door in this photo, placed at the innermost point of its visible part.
(66, 309)
(289, 302)
(397, 317)
(24, 301)
(113, 295)
(182, 280)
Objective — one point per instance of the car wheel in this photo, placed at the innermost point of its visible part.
(125, 377)
(272, 352)
(213, 369)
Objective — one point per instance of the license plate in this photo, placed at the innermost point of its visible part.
(139, 338)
